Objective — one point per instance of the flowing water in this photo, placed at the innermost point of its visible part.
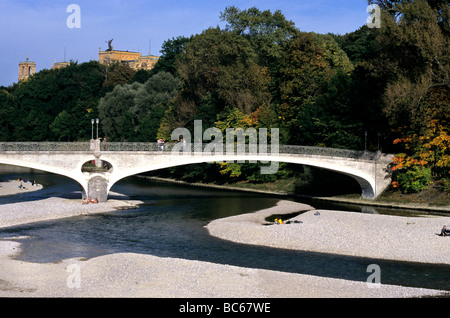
(172, 225)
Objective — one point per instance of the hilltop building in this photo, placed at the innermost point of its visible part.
(26, 69)
(58, 65)
(134, 59)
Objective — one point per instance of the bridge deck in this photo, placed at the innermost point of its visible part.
(87, 147)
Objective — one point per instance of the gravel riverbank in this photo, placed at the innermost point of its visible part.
(337, 232)
(136, 275)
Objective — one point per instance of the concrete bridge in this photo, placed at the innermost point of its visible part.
(370, 170)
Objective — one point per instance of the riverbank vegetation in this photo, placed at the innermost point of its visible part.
(372, 89)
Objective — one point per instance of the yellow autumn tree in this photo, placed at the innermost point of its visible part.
(426, 155)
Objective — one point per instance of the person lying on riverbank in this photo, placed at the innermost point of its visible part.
(33, 183)
(280, 221)
(87, 201)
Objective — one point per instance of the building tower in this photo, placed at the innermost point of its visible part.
(26, 69)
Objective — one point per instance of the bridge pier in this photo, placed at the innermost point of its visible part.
(98, 188)
(367, 192)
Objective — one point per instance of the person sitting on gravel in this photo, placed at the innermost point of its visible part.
(444, 231)
(86, 201)
(279, 221)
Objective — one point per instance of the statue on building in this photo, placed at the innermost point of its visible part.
(110, 48)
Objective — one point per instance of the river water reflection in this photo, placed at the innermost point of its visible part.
(172, 225)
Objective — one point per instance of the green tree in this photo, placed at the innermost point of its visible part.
(219, 70)
(332, 52)
(83, 84)
(265, 30)
(62, 126)
(38, 102)
(170, 50)
(334, 120)
(415, 52)
(141, 76)
(118, 121)
(73, 92)
(359, 45)
(151, 102)
(118, 74)
(133, 112)
(310, 63)
(7, 115)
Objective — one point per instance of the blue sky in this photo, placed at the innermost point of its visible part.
(39, 28)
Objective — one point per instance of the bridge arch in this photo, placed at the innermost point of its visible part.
(365, 180)
(74, 174)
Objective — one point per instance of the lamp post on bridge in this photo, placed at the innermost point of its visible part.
(365, 140)
(95, 144)
(92, 130)
(97, 121)
(378, 141)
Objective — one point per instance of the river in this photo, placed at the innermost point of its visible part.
(171, 224)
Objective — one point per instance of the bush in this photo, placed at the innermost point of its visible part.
(413, 180)
(446, 184)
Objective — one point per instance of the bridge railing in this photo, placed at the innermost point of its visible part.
(168, 147)
(283, 149)
(328, 152)
(45, 146)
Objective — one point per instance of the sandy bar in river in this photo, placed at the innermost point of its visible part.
(138, 275)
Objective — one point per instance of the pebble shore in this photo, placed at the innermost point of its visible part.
(136, 275)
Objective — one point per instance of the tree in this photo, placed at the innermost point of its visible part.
(332, 52)
(391, 5)
(62, 126)
(430, 149)
(83, 85)
(265, 30)
(170, 50)
(415, 52)
(219, 70)
(151, 102)
(309, 64)
(118, 74)
(133, 112)
(141, 76)
(7, 115)
(335, 119)
(359, 45)
(115, 113)
(37, 102)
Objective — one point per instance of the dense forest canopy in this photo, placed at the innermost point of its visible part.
(372, 89)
